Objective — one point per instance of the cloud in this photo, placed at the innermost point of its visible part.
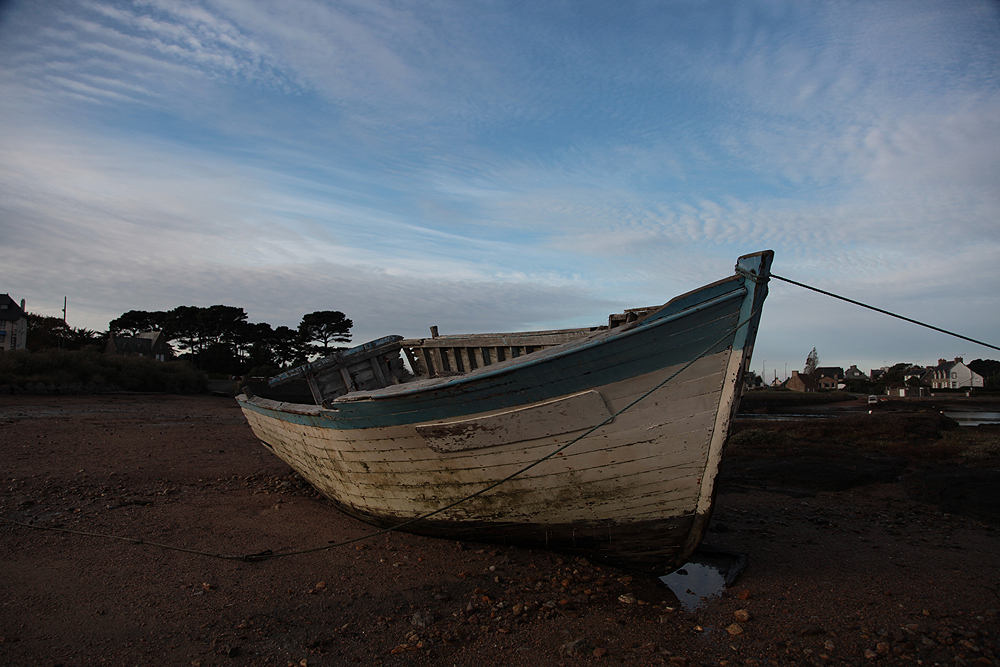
(504, 166)
(197, 229)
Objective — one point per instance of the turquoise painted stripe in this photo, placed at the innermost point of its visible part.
(675, 336)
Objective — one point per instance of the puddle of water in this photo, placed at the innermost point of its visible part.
(781, 417)
(974, 418)
(704, 576)
(963, 417)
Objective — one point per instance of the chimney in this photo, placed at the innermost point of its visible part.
(958, 360)
(22, 306)
(942, 362)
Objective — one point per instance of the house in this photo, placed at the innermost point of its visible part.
(826, 382)
(853, 373)
(13, 324)
(876, 373)
(828, 377)
(799, 382)
(952, 375)
(147, 344)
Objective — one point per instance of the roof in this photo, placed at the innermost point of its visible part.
(947, 365)
(131, 345)
(9, 310)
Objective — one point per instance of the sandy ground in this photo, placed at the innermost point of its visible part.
(859, 575)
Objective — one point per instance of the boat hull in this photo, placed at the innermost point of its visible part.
(608, 446)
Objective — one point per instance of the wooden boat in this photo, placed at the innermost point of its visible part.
(603, 441)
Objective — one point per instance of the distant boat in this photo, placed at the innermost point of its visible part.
(626, 424)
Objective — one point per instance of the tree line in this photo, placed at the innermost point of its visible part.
(216, 339)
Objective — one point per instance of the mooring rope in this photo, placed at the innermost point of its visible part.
(267, 555)
(886, 312)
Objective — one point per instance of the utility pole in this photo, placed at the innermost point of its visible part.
(64, 310)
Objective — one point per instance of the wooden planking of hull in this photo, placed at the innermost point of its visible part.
(606, 441)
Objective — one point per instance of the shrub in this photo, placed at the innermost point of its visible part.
(75, 371)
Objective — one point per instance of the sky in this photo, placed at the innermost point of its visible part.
(508, 166)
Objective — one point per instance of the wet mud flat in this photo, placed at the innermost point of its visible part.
(864, 544)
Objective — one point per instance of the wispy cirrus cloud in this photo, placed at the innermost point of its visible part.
(428, 156)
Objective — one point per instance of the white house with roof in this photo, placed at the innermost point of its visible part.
(13, 324)
(952, 375)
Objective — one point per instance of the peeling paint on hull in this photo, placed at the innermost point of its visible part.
(636, 490)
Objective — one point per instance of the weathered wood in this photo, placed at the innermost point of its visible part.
(563, 415)
(346, 377)
(395, 375)
(636, 488)
(451, 361)
(376, 368)
(435, 364)
(314, 389)
(540, 338)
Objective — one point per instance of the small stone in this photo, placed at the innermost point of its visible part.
(600, 652)
(735, 629)
(742, 615)
(577, 648)
(743, 594)
(626, 598)
(882, 648)
(423, 618)
(870, 654)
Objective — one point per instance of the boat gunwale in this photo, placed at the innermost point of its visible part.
(430, 385)
(599, 338)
